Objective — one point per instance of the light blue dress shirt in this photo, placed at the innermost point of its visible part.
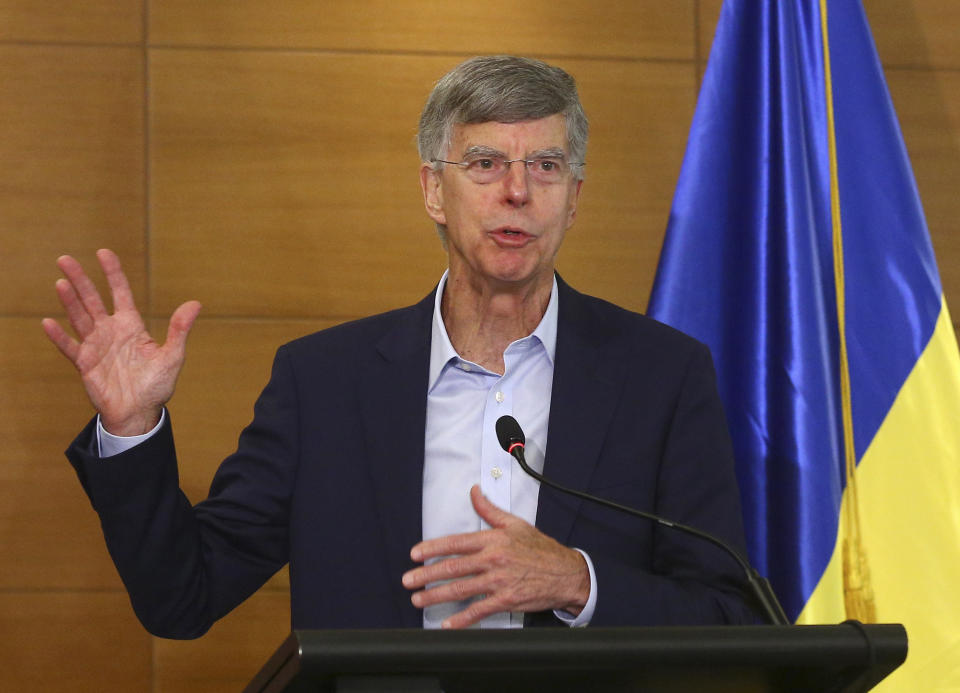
(464, 401)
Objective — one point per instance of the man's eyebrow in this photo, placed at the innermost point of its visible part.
(551, 153)
(482, 150)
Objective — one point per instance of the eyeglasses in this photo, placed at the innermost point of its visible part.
(489, 169)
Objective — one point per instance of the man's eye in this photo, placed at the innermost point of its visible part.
(548, 165)
(484, 164)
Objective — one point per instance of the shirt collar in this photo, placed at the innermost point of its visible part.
(442, 351)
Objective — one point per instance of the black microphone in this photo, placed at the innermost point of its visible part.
(512, 441)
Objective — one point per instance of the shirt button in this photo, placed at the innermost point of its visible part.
(465, 366)
(500, 397)
(496, 472)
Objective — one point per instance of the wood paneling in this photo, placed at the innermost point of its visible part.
(928, 106)
(606, 28)
(72, 175)
(50, 535)
(226, 658)
(640, 114)
(88, 21)
(74, 641)
(916, 33)
(708, 12)
(285, 184)
(245, 147)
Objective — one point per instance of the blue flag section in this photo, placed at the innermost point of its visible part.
(798, 251)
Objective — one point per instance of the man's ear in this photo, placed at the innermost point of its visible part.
(574, 200)
(430, 183)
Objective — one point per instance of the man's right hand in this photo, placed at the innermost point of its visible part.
(127, 375)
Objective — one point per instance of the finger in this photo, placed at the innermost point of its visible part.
(180, 324)
(119, 286)
(474, 613)
(64, 342)
(79, 318)
(446, 569)
(85, 288)
(491, 514)
(470, 542)
(455, 591)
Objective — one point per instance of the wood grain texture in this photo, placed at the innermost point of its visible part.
(280, 188)
(50, 535)
(73, 161)
(72, 641)
(640, 114)
(285, 184)
(928, 106)
(87, 21)
(650, 29)
(916, 33)
(227, 657)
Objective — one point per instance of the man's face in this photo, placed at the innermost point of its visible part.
(509, 231)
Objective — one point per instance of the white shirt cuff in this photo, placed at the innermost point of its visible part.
(584, 618)
(110, 445)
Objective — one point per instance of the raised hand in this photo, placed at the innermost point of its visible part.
(127, 375)
(514, 565)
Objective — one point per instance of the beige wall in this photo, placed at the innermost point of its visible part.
(259, 157)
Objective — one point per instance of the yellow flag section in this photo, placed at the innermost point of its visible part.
(908, 482)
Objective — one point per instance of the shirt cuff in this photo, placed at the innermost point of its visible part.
(110, 445)
(584, 618)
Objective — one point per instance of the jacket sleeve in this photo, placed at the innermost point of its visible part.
(184, 566)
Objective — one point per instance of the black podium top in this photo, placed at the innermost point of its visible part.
(845, 657)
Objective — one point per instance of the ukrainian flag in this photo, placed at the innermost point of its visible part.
(798, 251)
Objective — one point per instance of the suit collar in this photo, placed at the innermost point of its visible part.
(394, 399)
(586, 386)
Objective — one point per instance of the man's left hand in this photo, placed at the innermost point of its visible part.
(514, 565)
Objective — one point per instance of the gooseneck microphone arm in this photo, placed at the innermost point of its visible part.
(512, 440)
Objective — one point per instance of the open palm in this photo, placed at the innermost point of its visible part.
(127, 375)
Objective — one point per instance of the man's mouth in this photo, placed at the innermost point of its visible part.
(511, 232)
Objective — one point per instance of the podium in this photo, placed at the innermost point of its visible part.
(838, 658)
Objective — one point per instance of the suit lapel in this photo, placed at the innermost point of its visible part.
(394, 401)
(586, 386)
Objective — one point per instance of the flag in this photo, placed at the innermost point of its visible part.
(798, 251)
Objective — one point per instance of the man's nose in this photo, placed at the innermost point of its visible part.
(516, 184)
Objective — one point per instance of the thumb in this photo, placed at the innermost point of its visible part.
(180, 323)
(491, 514)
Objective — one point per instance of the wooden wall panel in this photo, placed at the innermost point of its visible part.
(226, 658)
(72, 175)
(49, 533)
(607, 28)
(88, 21)
(708, 12)
(916, 33)
(639, 115)
(315, 194)
(73, 641)
(928, 106)
(285, 184)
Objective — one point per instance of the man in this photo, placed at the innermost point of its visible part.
(372, 465)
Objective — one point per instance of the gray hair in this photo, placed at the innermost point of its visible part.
(503, 89)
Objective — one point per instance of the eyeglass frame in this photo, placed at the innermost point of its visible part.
(465, 164)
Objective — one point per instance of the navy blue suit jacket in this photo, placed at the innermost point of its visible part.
(328, 476)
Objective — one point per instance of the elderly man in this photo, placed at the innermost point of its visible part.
(372, 464)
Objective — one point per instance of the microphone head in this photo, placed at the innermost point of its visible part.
(509, 432)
